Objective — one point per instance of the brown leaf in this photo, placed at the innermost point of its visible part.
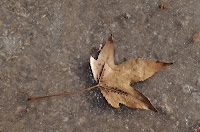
(114, 80)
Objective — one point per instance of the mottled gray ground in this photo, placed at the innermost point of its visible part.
(45, 48)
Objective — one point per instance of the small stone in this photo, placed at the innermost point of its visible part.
(113, 25)
(186, 88)
(1, 23)
(168, 109)
(24, 74)
(64, 69)
(126, 15)
(126, 126)
(177, 123)
(1, 45)
(18, 109)
(66, 119)
(151, 130)
(82, 120)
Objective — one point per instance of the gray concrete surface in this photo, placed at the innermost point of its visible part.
(45, 48)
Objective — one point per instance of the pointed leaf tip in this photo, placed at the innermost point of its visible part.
(110, 38)
(167, 64)
(164, 64)
(153, 108)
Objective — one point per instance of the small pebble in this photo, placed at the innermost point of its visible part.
(1, 23)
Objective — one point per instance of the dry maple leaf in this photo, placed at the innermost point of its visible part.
(114, 80)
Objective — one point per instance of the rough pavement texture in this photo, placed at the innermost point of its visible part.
(45, 48)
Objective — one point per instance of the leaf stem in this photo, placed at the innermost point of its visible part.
(63, 93)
